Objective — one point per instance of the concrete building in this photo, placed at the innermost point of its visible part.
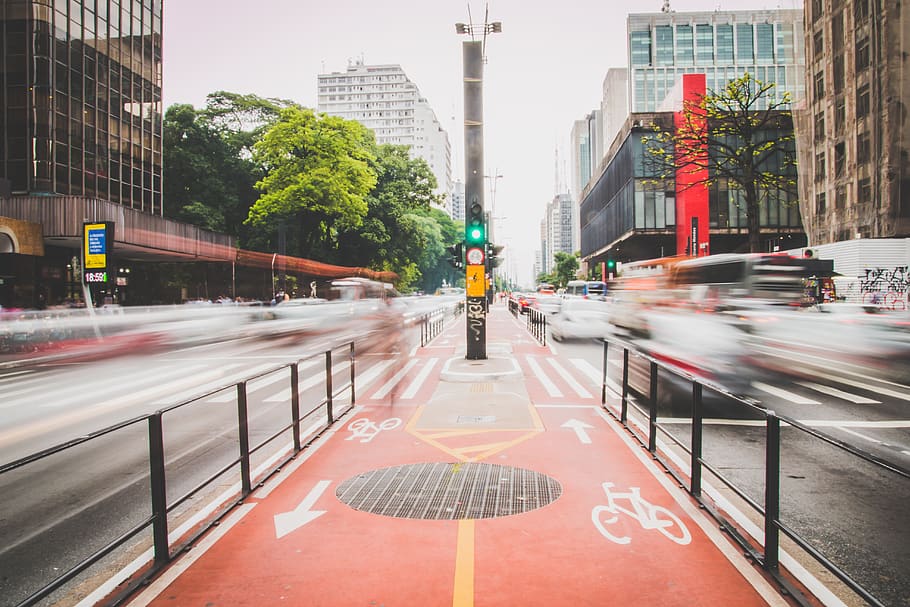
(558, 229)
(624, 214)
(614, 106)
(383, 99)
(455, 207)
(81, 129)
(721, 44)
(852, 132)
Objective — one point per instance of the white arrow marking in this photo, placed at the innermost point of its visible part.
(287, 522)
(579, 427)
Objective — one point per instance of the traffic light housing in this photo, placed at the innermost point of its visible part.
(456, 258)
(493, 255)
(611, 265)
(475, 232)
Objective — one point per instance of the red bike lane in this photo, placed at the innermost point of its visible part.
(536, 466)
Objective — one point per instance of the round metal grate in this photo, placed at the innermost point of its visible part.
(444, 491)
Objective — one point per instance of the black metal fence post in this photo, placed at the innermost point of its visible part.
(624, 413)
(295, 406)
(330, 413)
(652, 417)
(772, 491)
(353, 392)
(603, 383)
(159, 489)
(244, 439)
(697, 433)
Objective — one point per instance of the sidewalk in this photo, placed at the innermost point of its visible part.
(469, 483)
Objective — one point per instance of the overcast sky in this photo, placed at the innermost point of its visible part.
(544, 71)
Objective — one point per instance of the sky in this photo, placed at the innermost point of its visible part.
(543, 72)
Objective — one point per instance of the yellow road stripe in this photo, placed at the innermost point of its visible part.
(464, 565)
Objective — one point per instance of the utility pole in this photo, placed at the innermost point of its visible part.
(475, 220)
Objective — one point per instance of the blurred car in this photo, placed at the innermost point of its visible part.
(547, 304)
(580, 318)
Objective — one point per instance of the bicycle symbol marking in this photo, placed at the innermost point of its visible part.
(366, 430)
(647, 514)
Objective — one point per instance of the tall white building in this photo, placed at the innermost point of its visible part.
(614, 107)
(383, 99)
(722, 44)
(455, 207)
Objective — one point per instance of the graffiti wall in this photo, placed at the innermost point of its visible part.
(887, 287)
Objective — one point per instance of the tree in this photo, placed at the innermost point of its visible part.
(565, 268)
(743, 136)
(397, 230)
(317, 176)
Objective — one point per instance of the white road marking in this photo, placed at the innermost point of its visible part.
(387, 387)
(785, 394)
(596, 375)
(580, 430)
(551, 388)
(579, 389)
(421, 377)
(313, 380)
(854, 398)
(220, 382)
(286, 522)
(865, 386)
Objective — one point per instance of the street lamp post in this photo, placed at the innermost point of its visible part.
(475, 235)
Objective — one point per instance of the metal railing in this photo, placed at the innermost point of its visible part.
(770, 510)
(161, 506)
(432, 323)
(537, 325)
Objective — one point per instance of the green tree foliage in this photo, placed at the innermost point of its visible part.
(317, 174)
(209, 176)
(743, 135)
(566, 267)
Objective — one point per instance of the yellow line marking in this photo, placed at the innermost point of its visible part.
(463, 595)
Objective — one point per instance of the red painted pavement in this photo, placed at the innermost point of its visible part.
(551, 556)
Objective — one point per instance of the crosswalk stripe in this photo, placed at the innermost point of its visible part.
(306, 384)
(579, 389)
(220, 381)
(387, 387)
(596, 375)
(865, 386)
(421, 377)
(551, 388)
(785, 394)
(854, 398)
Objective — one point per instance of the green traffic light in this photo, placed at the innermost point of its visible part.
(475, 235)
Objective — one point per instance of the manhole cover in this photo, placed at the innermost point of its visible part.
(443, 491)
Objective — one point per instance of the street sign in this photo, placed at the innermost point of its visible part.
(475, 256)
(476, 278)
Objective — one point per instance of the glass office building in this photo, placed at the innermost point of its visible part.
(722, 45)
(80, 100)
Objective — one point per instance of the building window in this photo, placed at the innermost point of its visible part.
(820, 84)
(724, 44)
(863, 148)
(663, 35)
(862, 54)
(744, 47)
(685, 52)
(840, 116)
(840, 159)
(820, 203)
(818, 45)
(704, 41)
(862, 101)
(865, 190)
(764, 34)
(860, 11)
(820, 167)
(820, 126)
(837, 32)
(840, 196)
(838, 75)
(641, 48)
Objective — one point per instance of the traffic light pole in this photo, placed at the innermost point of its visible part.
(475, 283)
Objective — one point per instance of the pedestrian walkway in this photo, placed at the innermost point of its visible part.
(469, 483)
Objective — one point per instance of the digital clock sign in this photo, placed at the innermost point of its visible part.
(95, 277)
(97, 243)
